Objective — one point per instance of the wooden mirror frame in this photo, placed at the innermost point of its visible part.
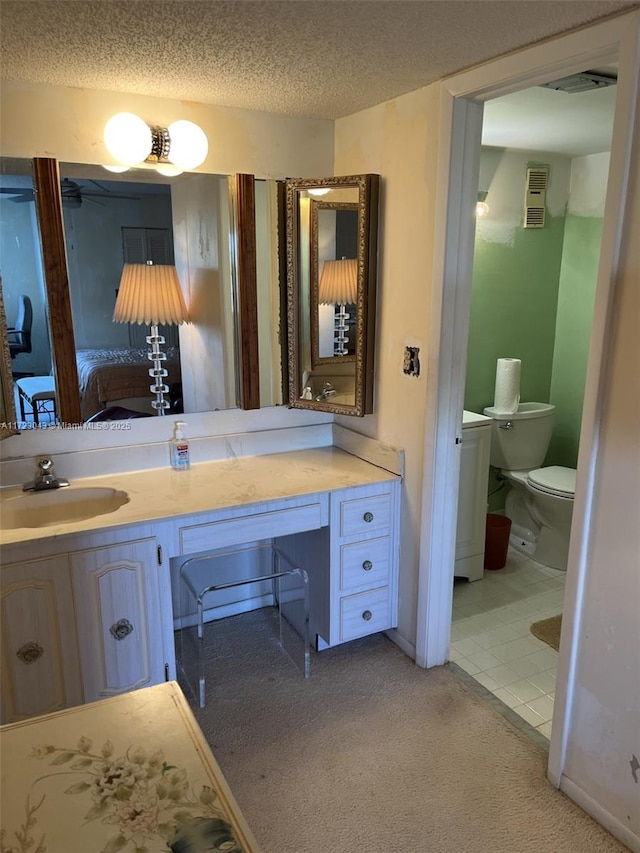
(368, 191)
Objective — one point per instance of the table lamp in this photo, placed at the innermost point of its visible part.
(151, 294)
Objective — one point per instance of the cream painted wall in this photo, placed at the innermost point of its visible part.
(65, 123)
(605, 727)
(398, 140)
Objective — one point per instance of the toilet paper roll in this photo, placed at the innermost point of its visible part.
(507, 391)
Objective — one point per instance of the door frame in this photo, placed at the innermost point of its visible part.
(462, 96)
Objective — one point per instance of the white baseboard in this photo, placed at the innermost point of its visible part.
(407, 647)
(601, 815)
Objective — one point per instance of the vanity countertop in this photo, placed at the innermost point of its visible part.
(163, 493)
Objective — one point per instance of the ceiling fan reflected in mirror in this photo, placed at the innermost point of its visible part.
(73, 193)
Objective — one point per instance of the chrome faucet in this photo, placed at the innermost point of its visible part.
(45, 479)
(327, 391)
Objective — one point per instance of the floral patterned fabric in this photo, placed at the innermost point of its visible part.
(92, 795)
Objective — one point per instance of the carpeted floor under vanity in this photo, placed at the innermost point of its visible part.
(375, 755)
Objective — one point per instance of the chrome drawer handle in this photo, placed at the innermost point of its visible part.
(121, 629)
(368, 516)
(367, 565)
(367, 615)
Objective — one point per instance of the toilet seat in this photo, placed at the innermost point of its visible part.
(554, 480)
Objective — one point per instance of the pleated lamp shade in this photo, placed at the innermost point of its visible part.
(150, 294)
(339, 282)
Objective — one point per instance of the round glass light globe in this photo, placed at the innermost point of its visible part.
(115, 168)
(168, 171)
(128, 138)
(189, 145)
(482, 209)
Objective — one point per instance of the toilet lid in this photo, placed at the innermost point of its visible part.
(555, 480)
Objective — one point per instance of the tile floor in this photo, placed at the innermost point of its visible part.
(491, 640)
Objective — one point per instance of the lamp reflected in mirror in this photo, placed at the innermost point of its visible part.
(151, 294)
(338, 286)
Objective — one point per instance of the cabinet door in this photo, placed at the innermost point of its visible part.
(472, 500)
(118, 615)
(40, 669)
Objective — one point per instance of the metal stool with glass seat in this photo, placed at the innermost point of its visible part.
(291, 604)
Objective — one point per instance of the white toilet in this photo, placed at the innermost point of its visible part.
(540, 500)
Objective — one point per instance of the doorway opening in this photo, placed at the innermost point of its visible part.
(541, 190)
(459, 146)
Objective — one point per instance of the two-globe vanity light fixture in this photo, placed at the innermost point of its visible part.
(173, 149)
(151, 294)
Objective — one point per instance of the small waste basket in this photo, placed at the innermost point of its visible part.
(496, 541)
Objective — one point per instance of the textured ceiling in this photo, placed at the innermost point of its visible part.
(322, 58)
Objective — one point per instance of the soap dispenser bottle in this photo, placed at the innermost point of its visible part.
(179, 448)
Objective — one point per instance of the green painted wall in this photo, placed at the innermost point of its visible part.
(513, 311)
(578, 276)
(533, 291)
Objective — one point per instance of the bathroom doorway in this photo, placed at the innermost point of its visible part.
(532, 300)
(459, 146)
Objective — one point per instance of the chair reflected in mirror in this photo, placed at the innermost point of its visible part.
(19, 335)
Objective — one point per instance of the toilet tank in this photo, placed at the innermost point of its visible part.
(525, 442)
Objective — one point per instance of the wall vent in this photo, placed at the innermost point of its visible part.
(535, 197)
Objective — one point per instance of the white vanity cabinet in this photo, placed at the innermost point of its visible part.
(118, 616)
(40, 665)
(352, 564)
(83, 624)
(472, 496)
(364, 562)
(89, 611)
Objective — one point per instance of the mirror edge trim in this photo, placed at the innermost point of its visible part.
(9, 424)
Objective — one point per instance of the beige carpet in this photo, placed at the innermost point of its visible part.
(374, 755)
(548, 630)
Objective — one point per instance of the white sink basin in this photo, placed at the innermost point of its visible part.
(59, 506)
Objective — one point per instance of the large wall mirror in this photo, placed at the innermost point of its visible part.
(222, 233)
(332, 226)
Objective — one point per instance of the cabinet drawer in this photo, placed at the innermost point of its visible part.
(365, 562)
(247, 528)
(365, 515)
(364, 613)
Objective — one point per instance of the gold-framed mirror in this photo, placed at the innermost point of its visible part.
(332, 227)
